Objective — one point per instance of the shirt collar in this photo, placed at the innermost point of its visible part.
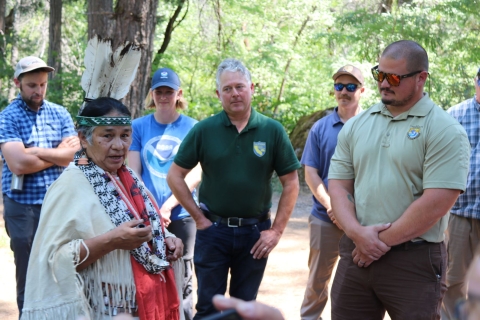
(252, 121)
(335, 117)
(419, 109)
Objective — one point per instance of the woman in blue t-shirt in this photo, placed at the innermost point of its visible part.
(156, 138)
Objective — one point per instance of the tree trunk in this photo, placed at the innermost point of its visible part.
(3, 11)
(99, 17)
(3, 42)
(135, 21)
(132, 21)
(55, 47)
(14, 52)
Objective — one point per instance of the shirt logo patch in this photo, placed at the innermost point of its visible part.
(413, 132)
(259, 148)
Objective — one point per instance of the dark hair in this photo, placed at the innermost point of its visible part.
(415, 54)
(98, 108)
(102, 106)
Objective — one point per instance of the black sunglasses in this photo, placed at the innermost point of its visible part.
(351, 87)
(392, 79)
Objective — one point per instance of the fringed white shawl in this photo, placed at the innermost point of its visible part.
(54, 290)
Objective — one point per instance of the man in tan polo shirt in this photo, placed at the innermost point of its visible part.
(397, 170)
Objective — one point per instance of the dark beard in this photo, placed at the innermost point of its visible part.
(397, 103)
(33, 104)
(29, 102)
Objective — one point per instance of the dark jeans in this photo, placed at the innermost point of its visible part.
(21, 222)
(408, 282)
(186, 229)
(219, 249)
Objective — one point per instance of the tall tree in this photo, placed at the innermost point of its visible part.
(99, 17)
(14, 49)
(55, 46)
(130, 21)
(3, 42)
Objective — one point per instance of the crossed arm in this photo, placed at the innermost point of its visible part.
(23, 160)
(372, 242)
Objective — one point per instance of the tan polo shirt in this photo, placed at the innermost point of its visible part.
(392, 160)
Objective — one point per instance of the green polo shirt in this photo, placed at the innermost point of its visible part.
(237, 167)
(392, 160)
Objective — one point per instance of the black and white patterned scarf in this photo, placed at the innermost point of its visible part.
(154, 260)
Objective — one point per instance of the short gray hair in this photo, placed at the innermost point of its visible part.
(232, 65)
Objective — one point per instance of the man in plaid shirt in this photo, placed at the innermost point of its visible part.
(463, 232)
(37, 139)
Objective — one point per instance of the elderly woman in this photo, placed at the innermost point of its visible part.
(101, 247)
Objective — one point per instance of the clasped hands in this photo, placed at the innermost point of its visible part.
(368, 246)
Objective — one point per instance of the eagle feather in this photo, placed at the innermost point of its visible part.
(108, 73)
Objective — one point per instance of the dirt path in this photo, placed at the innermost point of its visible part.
(283, 284)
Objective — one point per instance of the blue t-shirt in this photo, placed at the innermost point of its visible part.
(318, 151)
(158, 144)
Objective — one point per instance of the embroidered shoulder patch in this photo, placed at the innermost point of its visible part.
(413, 132)
(259, 148)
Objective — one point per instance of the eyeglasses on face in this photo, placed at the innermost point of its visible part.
(392, 79)
(351, 87)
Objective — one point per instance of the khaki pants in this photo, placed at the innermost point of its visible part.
(324, 238)
(462, 237)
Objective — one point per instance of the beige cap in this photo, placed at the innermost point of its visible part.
(29, 64)
(351, 71)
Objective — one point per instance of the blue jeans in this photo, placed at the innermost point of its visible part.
(219, 249)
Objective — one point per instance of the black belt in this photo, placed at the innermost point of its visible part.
(235, 221)
(410, 244)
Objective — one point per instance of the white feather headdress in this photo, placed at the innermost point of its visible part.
(108, 73)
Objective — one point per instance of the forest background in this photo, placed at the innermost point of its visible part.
(292, 48)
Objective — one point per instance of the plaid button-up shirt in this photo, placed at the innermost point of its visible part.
(45, 129)
(468, 114)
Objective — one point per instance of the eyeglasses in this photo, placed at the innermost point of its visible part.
(392, 79)
(351, 87)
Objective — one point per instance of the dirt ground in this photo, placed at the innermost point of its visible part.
(283, 284)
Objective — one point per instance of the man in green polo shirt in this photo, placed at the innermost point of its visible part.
(397, 170)
(238, 149)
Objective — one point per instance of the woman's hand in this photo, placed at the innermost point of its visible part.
(130, 235)
(174, 248)
(166, 212)
(127, 236)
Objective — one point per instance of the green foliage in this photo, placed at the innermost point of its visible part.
(292, 48)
